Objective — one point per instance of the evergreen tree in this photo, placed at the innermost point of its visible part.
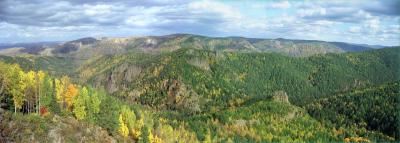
(146, 136)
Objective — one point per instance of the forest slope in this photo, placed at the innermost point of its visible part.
(219, 78)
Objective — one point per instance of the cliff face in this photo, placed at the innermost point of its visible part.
(119, 78)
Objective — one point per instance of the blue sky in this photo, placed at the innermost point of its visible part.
(363, 21)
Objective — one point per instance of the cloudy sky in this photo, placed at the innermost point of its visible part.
(364, 21)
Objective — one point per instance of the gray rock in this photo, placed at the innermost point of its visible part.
(280, 96)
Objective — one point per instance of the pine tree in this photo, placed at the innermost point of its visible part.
(145, 137)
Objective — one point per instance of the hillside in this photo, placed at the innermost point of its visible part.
(56, 66)
(373, 108)
(19, 127)
(199, 93)
(229, 75)
(64, 111)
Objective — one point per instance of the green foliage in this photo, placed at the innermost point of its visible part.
(79, 104)
(145, 137)
(56, 66)
(222, 77)
(372, 108)
(47, 92)
(94, 103)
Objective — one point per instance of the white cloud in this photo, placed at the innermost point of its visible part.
(141, 20)
(373, 24)
(324, 20)
(282, 5)
(273, 5)
(311, 11)
(98, 9)
(355, 29)
(205, 6)
(326, 23)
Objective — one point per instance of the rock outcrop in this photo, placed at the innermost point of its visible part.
(280, 96)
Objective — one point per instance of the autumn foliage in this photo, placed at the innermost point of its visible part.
(43, 111)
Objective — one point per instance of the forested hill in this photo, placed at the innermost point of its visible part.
(88, 47)
(372, 108)
(223, 74)
(200, 95)
(227, 76)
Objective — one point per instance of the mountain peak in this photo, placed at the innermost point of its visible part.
(85, 41)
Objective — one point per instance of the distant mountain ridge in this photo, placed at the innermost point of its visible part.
(28, 45)
(87, 47)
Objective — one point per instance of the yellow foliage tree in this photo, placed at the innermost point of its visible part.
(59, 89)
(123, 129)
(39, 82)
(208, 138)
(150, 137)
(17, 90)
(157, 140)
(65, 80)
(30, 91)
(136, 133)
(71, 92)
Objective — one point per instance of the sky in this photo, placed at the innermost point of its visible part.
(357, 21)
